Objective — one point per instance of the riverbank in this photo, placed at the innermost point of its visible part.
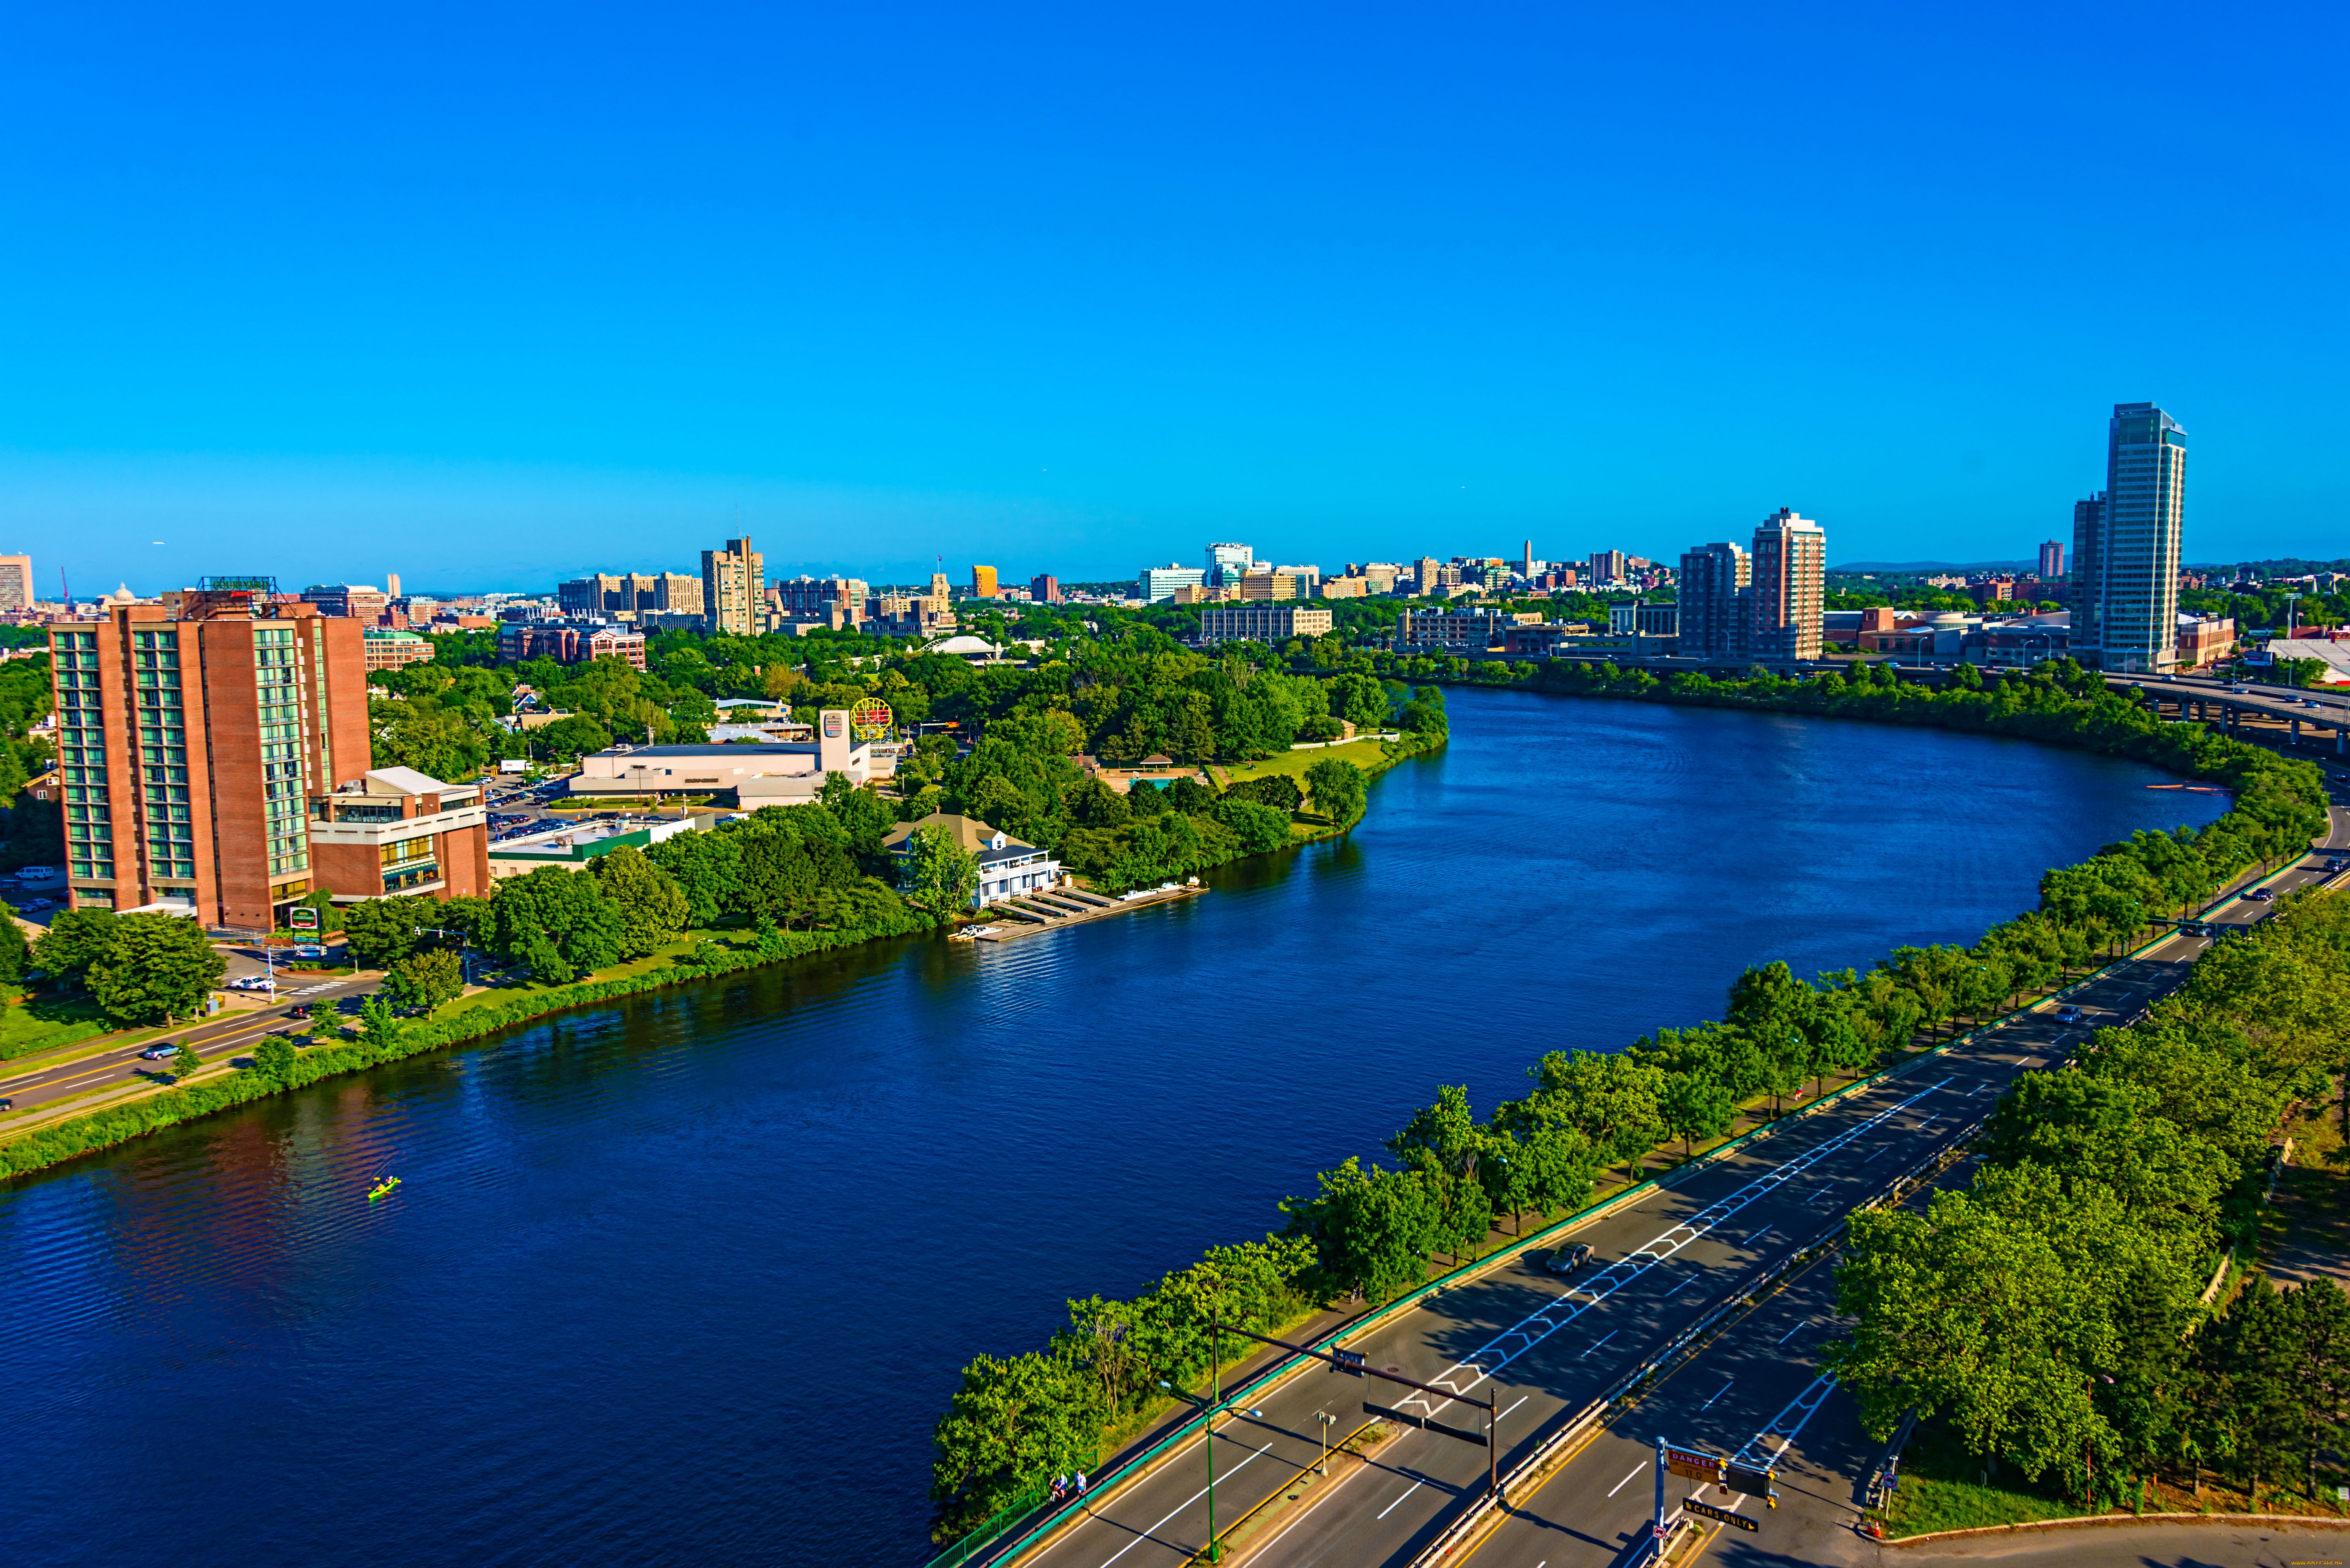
(482, 1013)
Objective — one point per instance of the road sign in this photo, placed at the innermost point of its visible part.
(1350, 1362)
(870, 720)
(302, 918)
(1754, 1483)
(1692, 1464)
(1707, 1510)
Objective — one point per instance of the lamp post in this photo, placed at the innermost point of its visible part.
(1213, 1407)
(1328, 1421)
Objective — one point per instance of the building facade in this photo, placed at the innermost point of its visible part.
(189, 744)
(350, 601)
(15, 584)
(1044, 590)
(1155, 583)
(386, 649)
(1473, 630)
(398, 831)
(1007, 867)
(1261, 623)
(569, 644)
(984, 585)
(2125, 544)
(1789, 591)
(1227, 563)
(734, 589)
(1715, 582)
(2052, 560)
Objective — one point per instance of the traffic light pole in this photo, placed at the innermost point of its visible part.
(1356, 1368)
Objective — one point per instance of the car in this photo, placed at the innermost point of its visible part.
(36, 873)
(158, 1053)
(1568, 1260)
(2068, 1014)
(34, 903)
(2260, 894)
(2336, 864)
(2241, 690)
(253, 982)
(6, 1104)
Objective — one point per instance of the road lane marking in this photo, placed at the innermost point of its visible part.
(1627, 1481)
(1872, 1158)
(1522, 1399)
(1793, 1332)
(1390, 1508)
(1679, 1288)
(1593, 1345)
(1563, 1309)
(1718, 1394)
(1180, 1507)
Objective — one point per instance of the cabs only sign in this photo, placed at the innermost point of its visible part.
(1721, 1515)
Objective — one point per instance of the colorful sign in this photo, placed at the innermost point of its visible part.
(302, 918)
(1692, 1464)
(1707, 1510)
(832, 726)
(872, 720)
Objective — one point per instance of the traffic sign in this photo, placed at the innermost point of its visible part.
(1350, 1362)
(1707, 1510)
(1692, 1464)
(1752, 1482)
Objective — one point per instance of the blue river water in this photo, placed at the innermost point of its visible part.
(687, 1279)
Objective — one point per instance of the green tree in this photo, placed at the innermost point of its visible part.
(380, 932)
(75, 939)
(1338, 789)
(427, 980)
(158, 968)
(1371, 1229)
(16, 953)
(558, 909)
(939, 874)
(652, 909)
(325, 1022)
(1259, 827)
(1011, 1423)
(1694, 1105)
(274, 1059)
(380, 1027)
(184, 1062)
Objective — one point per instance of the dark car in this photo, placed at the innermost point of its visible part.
(2260, 894)
(2068, 1014)
(2336, 864)
(1568, 1260)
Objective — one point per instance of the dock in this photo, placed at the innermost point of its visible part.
(1031, 913)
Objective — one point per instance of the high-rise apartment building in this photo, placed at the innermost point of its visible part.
(1044, 590)
(2125, 542)
(2052, 560)
(1227, 563)
(631, 594)
(1608, 566)
(1715, 582)
(983, 582)
(1787, 603)
(189, 745)
(15, 583)
(734, 589)
(391, 584)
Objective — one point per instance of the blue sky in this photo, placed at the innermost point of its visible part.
(490, 296)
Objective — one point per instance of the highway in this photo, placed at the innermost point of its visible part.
(1550, 1348)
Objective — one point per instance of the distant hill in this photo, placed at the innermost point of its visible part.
(1937, 566)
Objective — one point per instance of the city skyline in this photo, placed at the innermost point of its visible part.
(1072, 295)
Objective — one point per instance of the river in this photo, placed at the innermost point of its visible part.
(687, 1279)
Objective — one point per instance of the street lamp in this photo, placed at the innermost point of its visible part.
(1328, 1421)
(1215, 1406)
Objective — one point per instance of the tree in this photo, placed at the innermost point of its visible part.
(75, 939)
(426, 979)
(380, 932)
(274, 1059)
(707, 868)
(562, 911)
(1011, 1423)
(1371, 1229)
(1694, 1105)
(1259, 827)
(1610, 1099)
(158, 968)
(184, 1061)
(575, 736)
(324, 1021)
(1338, 790)
(16, 953)
(1359, 699)
(1278, 791)
(938, 875)
(379, 1025)
(652, 909)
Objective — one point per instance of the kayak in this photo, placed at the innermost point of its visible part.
(383, 1187)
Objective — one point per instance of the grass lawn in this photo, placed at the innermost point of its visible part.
(498, 996)
(1944, 1488)
(1364, 754)
(28, 1029)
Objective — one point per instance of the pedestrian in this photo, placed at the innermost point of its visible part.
(1081, 1483)
(1060, 1487)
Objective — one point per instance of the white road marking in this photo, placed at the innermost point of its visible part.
(1627, 1481)
(1180, 1507)
(1565, 1308)
(1718, 1393)
(1391, 1506)
(1522, 1399)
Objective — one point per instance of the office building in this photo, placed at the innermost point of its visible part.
(395, 831)
(1642, 619)
(1260, 586)
(835, 602)
(1044, 590)
(387, 648)
(1475, 631)
(15, 583)
(1428, 575)
(189, 743)
(2052, 560)
(983, 582)
(735, 590)
(634, 595)
(1260, 623)
(2126, 541)
(1346, 588)
(1307, 578)
(569, 642)
(1789, 589)
(1153, 583)
(391, 584)
(348, 601)
(1715, 582)
(1227, 563)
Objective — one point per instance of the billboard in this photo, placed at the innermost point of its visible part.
(872, 720)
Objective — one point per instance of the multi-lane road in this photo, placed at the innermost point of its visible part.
(1545, 1349)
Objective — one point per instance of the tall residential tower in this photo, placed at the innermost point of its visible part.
(1787, 605)
(2125, 596)
(1715, 579)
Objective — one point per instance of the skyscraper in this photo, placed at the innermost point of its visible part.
(2052, 560)
(1787, 605)
(1228, 563)
(1045, 588)
(1715, 581)
(15, 582)
(734, 589)
(983, 582)
(2125, 542)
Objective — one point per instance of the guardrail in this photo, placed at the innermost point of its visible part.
(979, 1547)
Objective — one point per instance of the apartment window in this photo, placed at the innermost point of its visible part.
(407, 850)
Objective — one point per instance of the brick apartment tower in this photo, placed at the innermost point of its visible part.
(193, 744)
(1788, 602)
